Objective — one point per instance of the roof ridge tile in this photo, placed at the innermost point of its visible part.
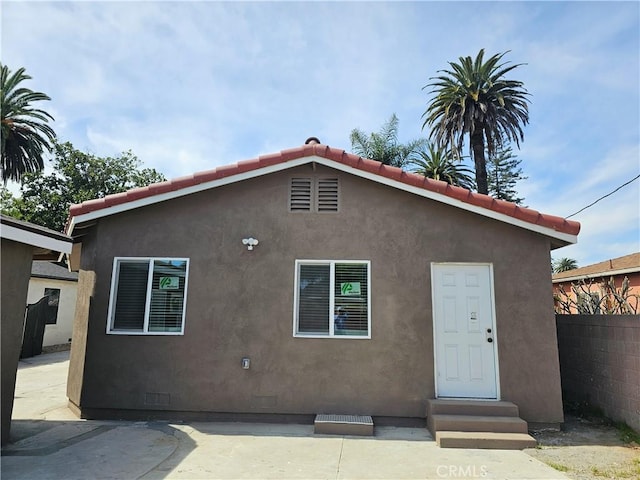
(394, 173)
(293, 153)
(183, 182)
(248, 165)
(161, 187)
(270, 159)
(527, 214)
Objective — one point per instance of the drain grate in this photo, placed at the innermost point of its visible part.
(350, 419)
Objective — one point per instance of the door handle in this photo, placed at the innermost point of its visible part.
(489, 337)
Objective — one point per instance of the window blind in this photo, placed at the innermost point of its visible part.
(167, 295)
(313, 306)
(351, 297)
(131, 295)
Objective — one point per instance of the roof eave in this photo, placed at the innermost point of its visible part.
(45, 242)
(610, 273)
(558, 239)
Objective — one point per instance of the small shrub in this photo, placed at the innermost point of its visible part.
(628, 435)
(596, 296)
(558, 466)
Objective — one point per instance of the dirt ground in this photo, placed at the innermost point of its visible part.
(589, 449)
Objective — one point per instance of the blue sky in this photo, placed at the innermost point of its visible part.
(188, 86)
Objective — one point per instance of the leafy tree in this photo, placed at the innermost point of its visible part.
(563, 265)
(77, 177)
(442, 165)
(25, 133)
(8, 203)
(503, 172)
(474, 99)
(383, 146)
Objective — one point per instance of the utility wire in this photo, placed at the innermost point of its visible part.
(604, 196)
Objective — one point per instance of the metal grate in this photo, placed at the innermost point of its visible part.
(350, 419)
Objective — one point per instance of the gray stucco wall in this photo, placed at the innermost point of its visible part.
(240, 303)
(600, 363)
(16, 269)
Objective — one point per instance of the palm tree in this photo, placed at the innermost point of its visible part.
(441, 165)
(384, 146)
(25, 133)
(474, 99)
(564, 265)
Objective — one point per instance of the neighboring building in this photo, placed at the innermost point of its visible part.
(584, 288)
(22, 242)
(213, 295)
(60, 286)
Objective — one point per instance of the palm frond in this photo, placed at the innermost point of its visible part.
(473, 99)
(383, 146)
(25, 132)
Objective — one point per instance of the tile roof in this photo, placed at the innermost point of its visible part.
(347, 159)
(629, 262)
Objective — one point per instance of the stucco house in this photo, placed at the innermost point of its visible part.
(582, 290)
(312, 281)
(22, 242)
(59, 286)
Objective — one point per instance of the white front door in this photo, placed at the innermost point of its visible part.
(464, 331)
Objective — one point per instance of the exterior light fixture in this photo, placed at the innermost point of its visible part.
(246, 363)
(250, 242)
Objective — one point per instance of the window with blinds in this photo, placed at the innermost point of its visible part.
(148, 295)
(332, 299)
(314, 195)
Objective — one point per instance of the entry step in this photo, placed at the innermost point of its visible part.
(478, 423)
(472, 407)
(492, 440)
(329, 424)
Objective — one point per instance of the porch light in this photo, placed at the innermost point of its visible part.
(250, 242)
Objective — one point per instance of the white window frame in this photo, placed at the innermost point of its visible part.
(145, 327)
(331, 334)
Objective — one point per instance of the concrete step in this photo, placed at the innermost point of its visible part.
(472, 407)
(343, 424)
(491, 440)
(476, 423)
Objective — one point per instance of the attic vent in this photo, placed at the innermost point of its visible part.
(300, 197)
(327, 195)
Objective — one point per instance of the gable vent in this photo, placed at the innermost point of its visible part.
(300, 195)
(327, 195)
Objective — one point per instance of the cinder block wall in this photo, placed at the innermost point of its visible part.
(600, 363)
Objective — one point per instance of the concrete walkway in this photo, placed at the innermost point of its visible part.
(49, 442)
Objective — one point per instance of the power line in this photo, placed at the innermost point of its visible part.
(604, 196)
